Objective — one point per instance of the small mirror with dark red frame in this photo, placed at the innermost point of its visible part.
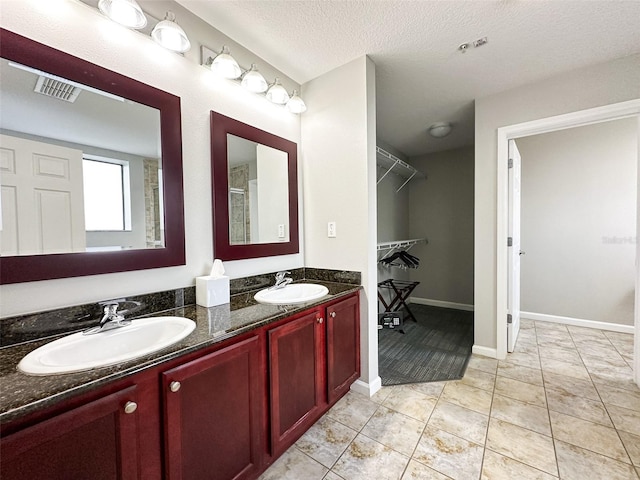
(280, 235)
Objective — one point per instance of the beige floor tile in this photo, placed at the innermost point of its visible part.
(326, 441)
(597, 350)
(411, 402)
(460, 421)
(550, 326)
(365, 459)
(563, 368)
(479, 379)
(526, 324)
(523, 445)
(588, 435)
(449, 454)
(619, 397)
(531, 360)
(468, 397)
(499, 467)
(527, 345)
(569, 355)
(382, 394)
(394, 430)
(485, 364)
(585, 332)
(632, 444)
(353, 410)
(294, 465)
(555, 341)
(332, 476)
(521, 414)
(619, 337)
(518, 372)
(590, 410)
(612, 361)
(431, 389)
(618, 378)
(625, 419)
(576, 463)
(522, 391)
(571, 386)
(418, 471)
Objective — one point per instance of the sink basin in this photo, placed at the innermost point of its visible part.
(78, 352)
(291, 294)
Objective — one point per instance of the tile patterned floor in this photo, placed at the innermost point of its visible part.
(563, 405)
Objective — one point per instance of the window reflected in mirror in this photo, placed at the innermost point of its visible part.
(258, 192)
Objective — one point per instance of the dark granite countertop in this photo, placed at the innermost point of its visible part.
(22, 394)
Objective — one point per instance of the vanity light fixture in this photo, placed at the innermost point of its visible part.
(440, 129)
(225, 65)
(169, 34)
(253, 80)
(277, 93)
(124, 12)
(295, 103)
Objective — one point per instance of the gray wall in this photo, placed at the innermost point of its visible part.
(579, 222)
(593, 86)
(441, 209)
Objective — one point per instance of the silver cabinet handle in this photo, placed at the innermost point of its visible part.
(130, 407)
(332, 314)
(174, 386)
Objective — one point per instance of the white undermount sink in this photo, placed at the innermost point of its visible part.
(78, 352)
(291, 294)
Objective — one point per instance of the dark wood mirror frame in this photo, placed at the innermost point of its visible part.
(17, 269)
(220, 127)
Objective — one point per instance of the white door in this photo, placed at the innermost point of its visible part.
(42, 198)
(513, 293)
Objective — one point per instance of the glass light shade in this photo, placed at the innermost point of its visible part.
(439, 130)
(253, 80)
(277, 93)
(169, 34)
(124, 12)
(225, 65)
(295, 103)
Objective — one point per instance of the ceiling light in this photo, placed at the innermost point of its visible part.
(277, 93)
(169, 34)
(440, 129)
(253, 80)
(124, 12)
(225, 65)
(295, 104)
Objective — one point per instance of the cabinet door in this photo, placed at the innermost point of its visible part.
(96, 441)
(213, 414)
(343, 346)
(297, 378)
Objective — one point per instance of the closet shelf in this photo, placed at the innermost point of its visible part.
(395, 245)
(394, 165)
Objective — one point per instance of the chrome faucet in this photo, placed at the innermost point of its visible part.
(110, 320)
(282, 280)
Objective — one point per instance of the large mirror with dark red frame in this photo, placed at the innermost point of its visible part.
(255, 191)
(90, 168)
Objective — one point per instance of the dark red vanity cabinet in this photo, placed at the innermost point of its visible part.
(213, 414)
(297, 377)
(97, 441)
(343, 352)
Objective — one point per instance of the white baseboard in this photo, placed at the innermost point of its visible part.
(578, 322)
(485, 351)
(368, 389)
(441, 303)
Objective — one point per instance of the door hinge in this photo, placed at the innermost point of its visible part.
(511, 163)
(509, 241)
(509, 318)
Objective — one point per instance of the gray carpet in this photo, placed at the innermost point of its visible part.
(435, 348)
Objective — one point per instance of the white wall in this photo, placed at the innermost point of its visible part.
(338, 135)
(578, 219)
(597, 85)
(441, 209)
(82, 31)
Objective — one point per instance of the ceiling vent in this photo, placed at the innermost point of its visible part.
(57, 89)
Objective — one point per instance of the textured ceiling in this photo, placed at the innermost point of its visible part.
(421, 77)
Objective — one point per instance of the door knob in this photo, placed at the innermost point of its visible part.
(130, 407)
(320, 319)
(174, 386)
(332, 314)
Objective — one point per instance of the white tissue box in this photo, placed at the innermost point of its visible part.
(212, 291)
